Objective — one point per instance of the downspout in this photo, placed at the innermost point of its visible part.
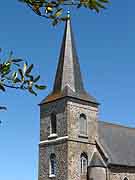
(107, 174)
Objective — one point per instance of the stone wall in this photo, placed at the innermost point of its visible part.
(119, 173)
(73, 113)
(59, 107)
(68, 145)
(78, 144)
(68, 155)
(113, 173)
(60, 150)
(97, 173)
(75, 149)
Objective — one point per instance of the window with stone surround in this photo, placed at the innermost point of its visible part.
(83, 124)
(52, 165)
(84, 163)
(53, 128)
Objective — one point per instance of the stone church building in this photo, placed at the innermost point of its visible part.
(74, 143)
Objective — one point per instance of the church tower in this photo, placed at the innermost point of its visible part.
(68, 120)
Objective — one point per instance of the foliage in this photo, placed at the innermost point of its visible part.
(17, 74)
(55, 9)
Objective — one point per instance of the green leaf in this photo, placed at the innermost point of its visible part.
(55, 22)
(97, 9)
(40, 87)
(3, 108)
(36, 8)
(2, 88)
(16, 60)
(17, 80)
(30, 76)
(11, 54)
(29, 69)
(104, 1)
(32, 92)
(64, 18)
(58, 12)
(24, 68)
(92, 4)
(79, 5)
(100, 5)
(36, 79)
(6, 68)
(21, 74)
(14, 75)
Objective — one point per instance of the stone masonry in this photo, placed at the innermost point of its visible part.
(68, 150)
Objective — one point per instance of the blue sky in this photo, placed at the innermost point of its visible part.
(106, 49)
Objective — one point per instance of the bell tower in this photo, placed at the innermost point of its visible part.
(68, 120)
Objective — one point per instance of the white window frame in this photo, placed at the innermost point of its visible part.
(53, 134)
(84, 164)
(51, 174)
(83, 125)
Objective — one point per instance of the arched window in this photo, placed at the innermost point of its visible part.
(125, 178)
(83, 124)
(52, 165)
(84, 163)
(53, 124)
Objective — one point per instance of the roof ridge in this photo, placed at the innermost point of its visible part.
(117, 125)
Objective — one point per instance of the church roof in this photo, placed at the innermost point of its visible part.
(96, 161)
(118, 142)
(68, 79)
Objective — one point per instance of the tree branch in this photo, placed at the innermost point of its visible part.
(10, 86)
(42, 15)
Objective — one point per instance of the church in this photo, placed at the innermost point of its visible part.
(74, 143)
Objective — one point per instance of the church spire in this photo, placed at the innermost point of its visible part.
(68, 71)
(68, 79)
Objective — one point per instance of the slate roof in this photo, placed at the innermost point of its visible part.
(118, 142)
(96, 161)
(68, 79)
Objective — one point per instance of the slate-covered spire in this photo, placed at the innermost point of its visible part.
(68, 71)
(68, 79)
